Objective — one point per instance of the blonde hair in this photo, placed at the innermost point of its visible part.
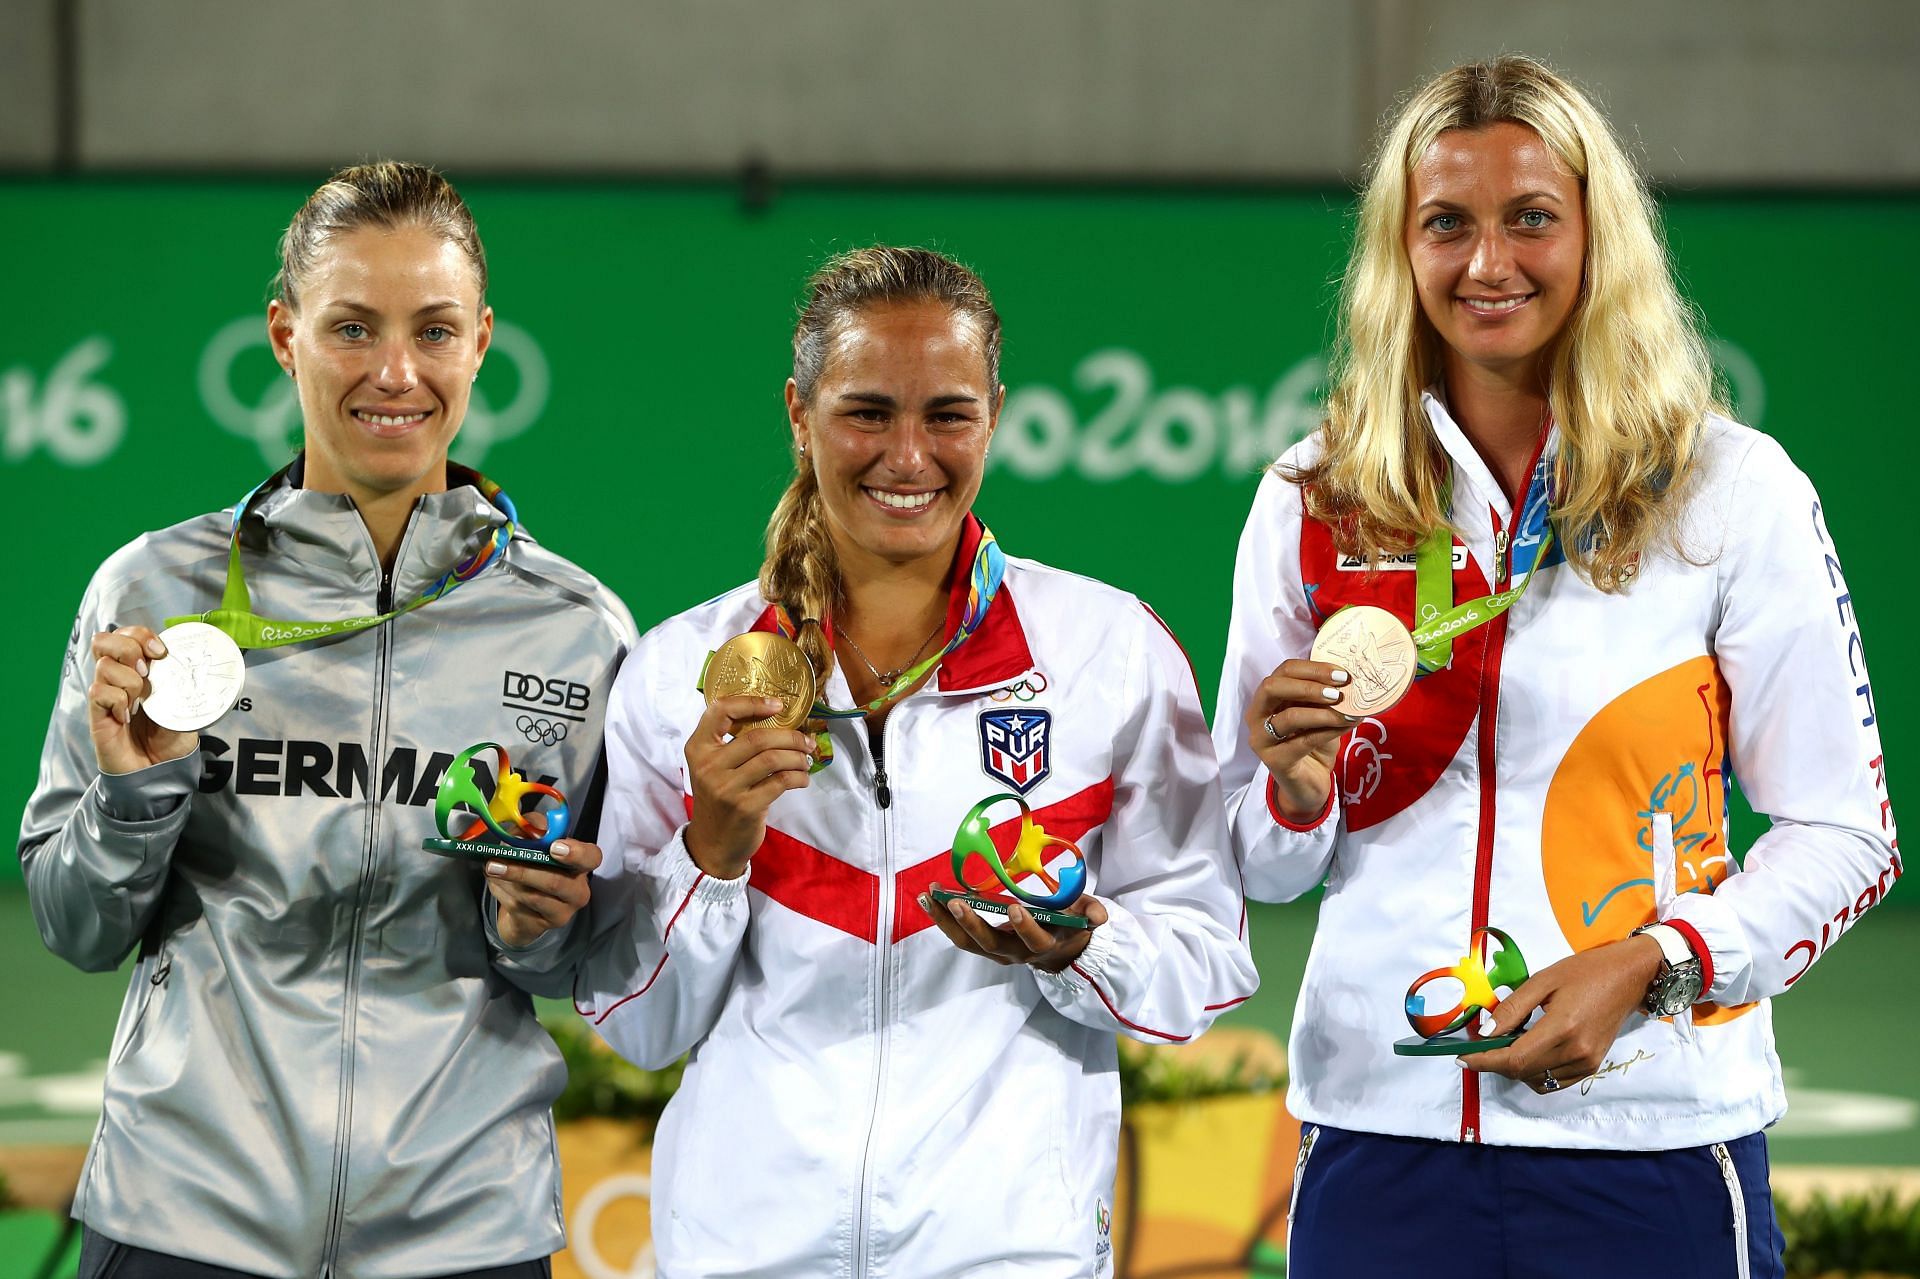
(386, 194)
(1628, 378)
(801, 571)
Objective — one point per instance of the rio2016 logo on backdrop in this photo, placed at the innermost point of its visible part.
(1173, 434)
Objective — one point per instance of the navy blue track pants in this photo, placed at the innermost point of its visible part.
(1373, 1207)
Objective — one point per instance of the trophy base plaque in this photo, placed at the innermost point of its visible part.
(998, 906)
(1457, 1044)
(479, 851)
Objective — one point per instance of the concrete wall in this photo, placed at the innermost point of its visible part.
(1716, 91)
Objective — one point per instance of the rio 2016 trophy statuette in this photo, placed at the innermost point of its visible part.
(498, 829)
(1444, 1006)
(1030, 845)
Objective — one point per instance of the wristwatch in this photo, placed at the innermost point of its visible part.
(1676, 987)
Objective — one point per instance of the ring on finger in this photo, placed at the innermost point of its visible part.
(1271, 731)
(1548, 1083)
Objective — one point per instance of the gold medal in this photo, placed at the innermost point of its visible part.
(1375, 650)
(763, 664)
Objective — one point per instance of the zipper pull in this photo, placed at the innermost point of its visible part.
(1500, 540)
(881, 790)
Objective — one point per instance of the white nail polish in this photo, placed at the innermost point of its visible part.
(1331, 694)
(1339, 677)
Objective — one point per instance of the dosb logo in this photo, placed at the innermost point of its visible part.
(534, 690)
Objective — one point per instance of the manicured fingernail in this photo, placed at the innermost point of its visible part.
(561, 851)
(496, 869)
(925, 903)
(1353, 719)
(1331, 694)
(133, 710)
(140, 664)
(155, 647)
(1339, 676)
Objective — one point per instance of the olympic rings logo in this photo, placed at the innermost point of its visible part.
(543, 732)
(1025, 690)
(272, 419)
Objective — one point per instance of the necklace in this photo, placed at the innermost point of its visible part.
(886, 678)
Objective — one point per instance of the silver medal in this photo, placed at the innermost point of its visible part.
(198, 680)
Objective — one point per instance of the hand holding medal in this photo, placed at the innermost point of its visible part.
(140, 686)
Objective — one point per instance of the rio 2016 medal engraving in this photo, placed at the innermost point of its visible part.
(1375, 650)
(1444, 1005)
(1030, 845)
(762, 664)
(198, 680)
(496, 828)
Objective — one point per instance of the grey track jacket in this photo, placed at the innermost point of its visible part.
(323, 1066)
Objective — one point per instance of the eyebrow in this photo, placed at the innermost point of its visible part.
(361, 308)
(881, 399)
(1530, 197)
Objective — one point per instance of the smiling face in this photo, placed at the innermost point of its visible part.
(896, 430)
(1496, 234)
(389, 334)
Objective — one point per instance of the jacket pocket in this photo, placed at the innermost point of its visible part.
(1738, 1201)
(154, 979)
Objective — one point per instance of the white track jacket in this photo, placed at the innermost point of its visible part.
(1565, 780)
(863, 1097)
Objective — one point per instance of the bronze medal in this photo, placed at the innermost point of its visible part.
(763, 664)
(1375, 649)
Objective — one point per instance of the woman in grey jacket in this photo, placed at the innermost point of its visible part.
(327, 1063)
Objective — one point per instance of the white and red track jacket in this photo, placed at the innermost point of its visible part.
(1566, 780)
(863, 1097)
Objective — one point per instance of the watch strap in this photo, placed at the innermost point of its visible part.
(1673, 943)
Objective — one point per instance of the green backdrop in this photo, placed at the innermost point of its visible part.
(1160, 347)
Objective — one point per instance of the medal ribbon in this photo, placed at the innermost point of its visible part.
(1440, 619)
(983, 584)
(236, 617)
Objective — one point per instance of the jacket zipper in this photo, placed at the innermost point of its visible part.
(883, 959)
(1731, 1175)
(1483, 848)
(350, 1014)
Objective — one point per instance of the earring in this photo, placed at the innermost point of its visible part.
(289, 372)
(476, 375)
(803, 450)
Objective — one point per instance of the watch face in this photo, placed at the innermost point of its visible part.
(1675, 990)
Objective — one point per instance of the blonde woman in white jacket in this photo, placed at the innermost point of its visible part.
(1519, 386)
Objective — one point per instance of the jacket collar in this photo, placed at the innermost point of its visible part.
(993, 655)
(325, 531)
(1470, 471)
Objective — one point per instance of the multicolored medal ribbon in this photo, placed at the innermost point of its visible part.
(1378, 651)
(236, 617)
(202, 675)
(758, 669)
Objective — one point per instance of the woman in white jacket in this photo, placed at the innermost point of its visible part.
(882, 1084)
(1519, 386)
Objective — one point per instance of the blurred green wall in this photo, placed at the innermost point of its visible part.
(1160, 347)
